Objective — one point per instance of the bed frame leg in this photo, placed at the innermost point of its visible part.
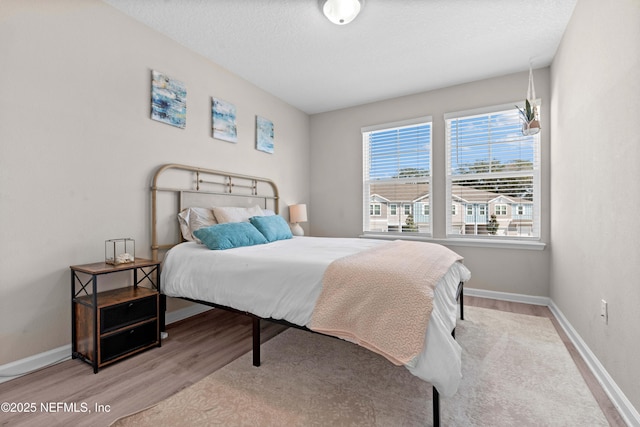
(436, 408)
(256, 341)
(162, 313)
(461, 296)
(462, 303)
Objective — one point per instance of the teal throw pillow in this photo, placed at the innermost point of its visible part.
(273, 227)
(230, 235)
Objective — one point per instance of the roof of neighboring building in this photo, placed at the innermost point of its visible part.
(406, 193)
(399, 193)
(470, 194)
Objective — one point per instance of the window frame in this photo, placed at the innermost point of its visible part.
(424, 229)
(534, 174)
(441, 164)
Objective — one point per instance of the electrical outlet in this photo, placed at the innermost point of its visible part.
(604, 311)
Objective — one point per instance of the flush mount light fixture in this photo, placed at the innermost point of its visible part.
(341, 12)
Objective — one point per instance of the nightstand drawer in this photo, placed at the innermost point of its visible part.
(127, 313)
(127, 341)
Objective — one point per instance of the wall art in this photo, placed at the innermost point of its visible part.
(264, 135)
(168, 100)
(223, 120)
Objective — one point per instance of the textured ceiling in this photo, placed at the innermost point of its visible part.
(393, 48)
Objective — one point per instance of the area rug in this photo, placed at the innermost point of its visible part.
(516, 371)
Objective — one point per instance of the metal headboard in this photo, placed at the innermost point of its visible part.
(194, 186)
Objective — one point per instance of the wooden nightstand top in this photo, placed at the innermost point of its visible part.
(103, 268)
(117, 296)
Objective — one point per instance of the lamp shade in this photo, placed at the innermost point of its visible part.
(297, 213)
(341, 12)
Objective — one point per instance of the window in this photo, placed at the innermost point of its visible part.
(393, 209)
(469, 210)
(397, 166)
(425, 210)
(374, 209)
(490, 161)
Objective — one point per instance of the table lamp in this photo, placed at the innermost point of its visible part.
(297, 214)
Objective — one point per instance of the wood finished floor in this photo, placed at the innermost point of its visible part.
(196, 347)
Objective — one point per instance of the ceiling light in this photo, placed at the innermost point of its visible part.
(341, 12)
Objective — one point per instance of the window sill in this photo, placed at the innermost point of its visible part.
(532, 245)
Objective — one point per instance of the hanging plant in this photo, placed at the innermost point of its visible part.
(529, 114)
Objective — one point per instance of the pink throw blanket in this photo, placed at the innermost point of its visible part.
(382, 298)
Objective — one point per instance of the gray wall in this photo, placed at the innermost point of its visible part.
(336, 173)
(77, 149)
(595, 183)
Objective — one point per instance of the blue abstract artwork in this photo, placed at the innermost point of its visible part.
(223, 116)
(168, 100)
(264, 135)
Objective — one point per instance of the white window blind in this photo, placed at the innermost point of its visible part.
(397, 173)
(491, 164)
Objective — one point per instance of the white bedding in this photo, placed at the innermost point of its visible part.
(283, 279)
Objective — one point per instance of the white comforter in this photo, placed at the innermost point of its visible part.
(283, 279)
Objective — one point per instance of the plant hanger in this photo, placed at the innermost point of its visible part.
(529, 114)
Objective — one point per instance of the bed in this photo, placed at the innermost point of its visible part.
(281, 279)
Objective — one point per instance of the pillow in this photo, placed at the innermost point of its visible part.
(230, 235)
(272, 227)
(233, 214)
(191, 219)
(267, 212)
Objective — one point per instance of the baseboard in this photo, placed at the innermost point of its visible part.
(506, 296)
(33, 363)
(628, 413)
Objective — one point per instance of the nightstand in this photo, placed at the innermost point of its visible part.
(111, 325)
